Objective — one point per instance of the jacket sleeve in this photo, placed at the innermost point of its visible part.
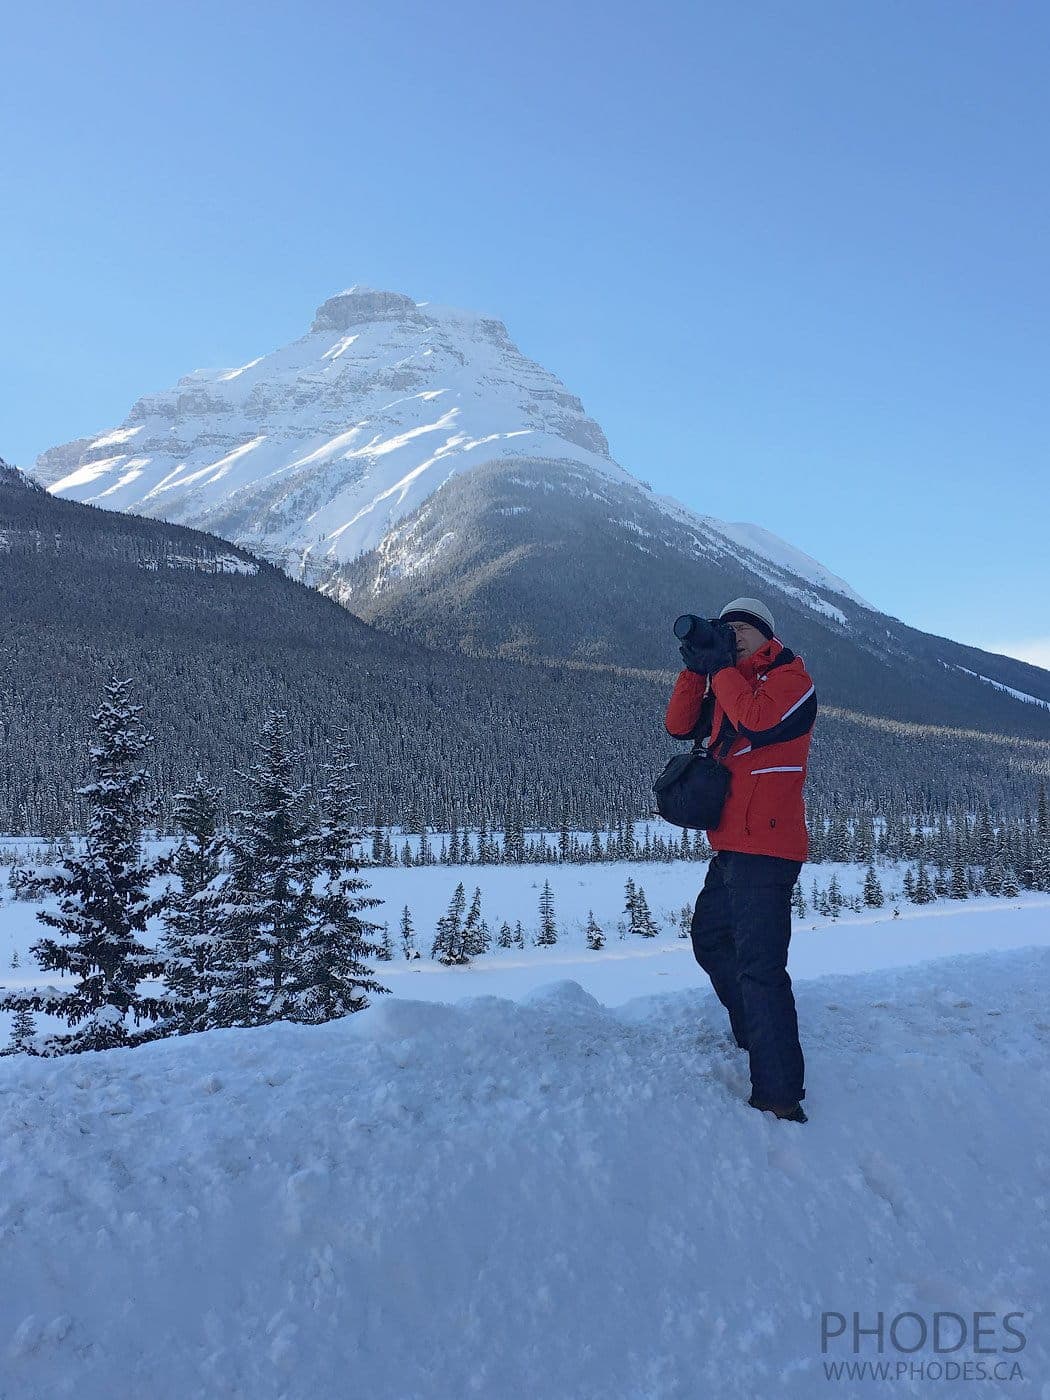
(771, 709)
(685, 704)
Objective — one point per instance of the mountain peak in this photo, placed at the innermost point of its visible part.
(359, 305)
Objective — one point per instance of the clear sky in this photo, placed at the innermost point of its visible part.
(792, 256)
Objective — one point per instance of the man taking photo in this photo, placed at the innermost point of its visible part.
(753, 704)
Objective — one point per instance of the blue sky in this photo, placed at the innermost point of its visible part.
(792, 256)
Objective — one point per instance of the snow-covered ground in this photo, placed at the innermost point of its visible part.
(627, 967)
(550, 1185)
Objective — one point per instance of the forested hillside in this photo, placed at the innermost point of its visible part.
(215, 640)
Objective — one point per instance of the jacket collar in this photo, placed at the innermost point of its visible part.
(761, 660)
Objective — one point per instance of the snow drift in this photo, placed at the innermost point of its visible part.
(548, 1198)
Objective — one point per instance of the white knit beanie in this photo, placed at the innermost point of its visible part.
(749, 610)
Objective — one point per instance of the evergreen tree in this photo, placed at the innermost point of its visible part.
(839, 839)
(448, 939)
(923, 893)
(958, 889)
(644, 924)
(189, 909)
(798, 901)
(595, 936)
(983, 849)
(519, 934)
(864, 840)
(630, 901)
(564, 835)
(23, 1033)
(408, 934)
(835, 897)
(476, 938)
(595, 853)
(513, 834)
(873, 895)
(103, 900)
(993, 876)
(505, 938)
(548, 933)
(685, 921)
(265, 906)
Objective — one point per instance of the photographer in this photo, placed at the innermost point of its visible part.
(753, 704)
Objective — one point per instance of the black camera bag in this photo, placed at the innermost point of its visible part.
(691, 791)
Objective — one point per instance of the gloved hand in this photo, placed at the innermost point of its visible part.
(708, 660)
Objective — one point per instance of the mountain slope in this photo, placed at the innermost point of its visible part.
(411, 462)
(216, 638)
(544, 559)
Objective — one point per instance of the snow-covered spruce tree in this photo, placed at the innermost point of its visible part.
(798, 900)
(595, 936)
(519, 934)
(835, 897)
(873, 895)
(189, 910)
(23, 1033)
(548, 931)
(630, 897)
(103, 901)
(448, 939)
(685, 921)
(266, 902)
(505, 937)
(476, 938)
(408, 934)
(924, 894)
(993, 876)
(644, 925)
(327, 973)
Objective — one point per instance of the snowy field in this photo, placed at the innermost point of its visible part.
(550, 1185)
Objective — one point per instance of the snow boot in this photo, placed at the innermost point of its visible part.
(791, 1113)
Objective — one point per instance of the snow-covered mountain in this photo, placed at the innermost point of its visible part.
(310, 455)
(411, 462)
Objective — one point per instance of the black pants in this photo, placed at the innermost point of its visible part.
(741, 930)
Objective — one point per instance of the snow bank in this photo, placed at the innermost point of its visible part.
(546, 1198)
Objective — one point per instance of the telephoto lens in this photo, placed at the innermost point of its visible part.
(696, 630)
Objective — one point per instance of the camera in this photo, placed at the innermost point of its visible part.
(702, 631)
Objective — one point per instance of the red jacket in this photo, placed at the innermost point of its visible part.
(757, 717)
